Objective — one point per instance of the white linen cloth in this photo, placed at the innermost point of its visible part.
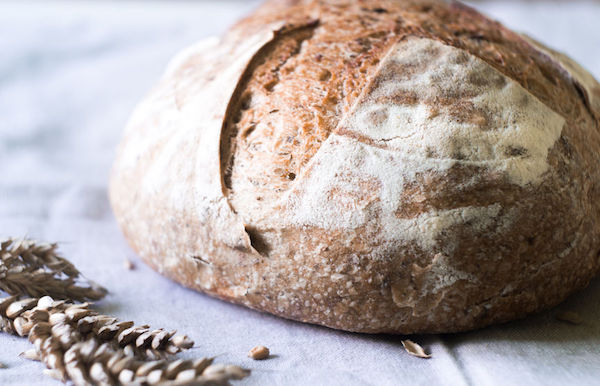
(70, 74)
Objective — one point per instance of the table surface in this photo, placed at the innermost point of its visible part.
(70, 74)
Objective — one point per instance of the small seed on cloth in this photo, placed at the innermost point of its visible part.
(259, 353)
(569, 317)
(128, 264)
(414, 349)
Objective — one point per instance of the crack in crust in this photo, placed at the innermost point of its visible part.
(241, 98)
(280, 128)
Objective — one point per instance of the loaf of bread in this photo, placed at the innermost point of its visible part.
(395, 166)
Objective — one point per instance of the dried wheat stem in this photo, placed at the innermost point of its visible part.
(28, 268)
(88, 362)
(73, 322)
(79, 344)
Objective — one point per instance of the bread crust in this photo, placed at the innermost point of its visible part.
(377, 166)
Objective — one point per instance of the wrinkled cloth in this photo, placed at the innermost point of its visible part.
(71, 73)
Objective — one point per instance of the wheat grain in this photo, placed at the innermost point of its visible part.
(415, 349)
(259, 353)
(569, 317)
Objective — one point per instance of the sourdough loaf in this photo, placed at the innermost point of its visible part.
(375, 166)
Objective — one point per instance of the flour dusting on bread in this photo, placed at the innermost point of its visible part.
(441, 103)
(410, 122)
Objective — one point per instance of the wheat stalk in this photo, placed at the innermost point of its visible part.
(77, 322)
(27, 268)
(79, 344)
(68, 338)
(73, 347)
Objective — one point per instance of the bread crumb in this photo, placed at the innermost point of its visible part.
(2, 365)
(569, 317)
(128, 265)
(414, 349)
(259, 353)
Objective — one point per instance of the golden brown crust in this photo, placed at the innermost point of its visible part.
(374, 166)
(329, 50)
